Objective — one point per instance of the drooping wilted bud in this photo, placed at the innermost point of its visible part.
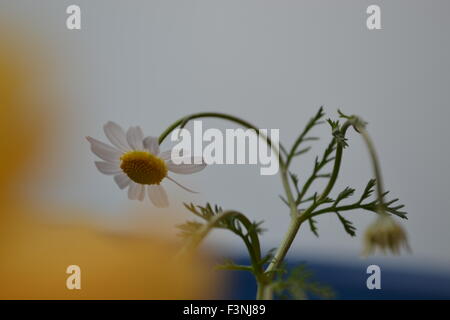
(385, 234)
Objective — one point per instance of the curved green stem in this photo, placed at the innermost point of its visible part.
(296, 218)
(253, 246)
(265, 277)
(183, 121)
(283, 169)
(337, 164)
(375, 165)
(261, 280)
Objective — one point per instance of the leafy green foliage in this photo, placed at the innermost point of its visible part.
(237, 223)
(303, 137)
(313, 226)
(319, 164)
(388, 207)
(347, 224)
(298, 284)
(348, 192)
(208, 212)
(337, 133)
(368, 190)
(373, 206)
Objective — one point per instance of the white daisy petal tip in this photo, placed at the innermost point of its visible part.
(108, 168)
(122, 180)
(133, 191)
(116, 135)
(135, 138)
(111, 123)
(103, 150)
(141, 195)
(158, 196)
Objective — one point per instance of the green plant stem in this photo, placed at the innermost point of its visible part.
(298, 218)
(283, 169)
(339, 209)
(261, 280)
(264, 289)
(183, 121)
(337, 165)
(376, 167)
(253, 247)
(301, 137)
(285, 245)
(260, 291)
(291, 154)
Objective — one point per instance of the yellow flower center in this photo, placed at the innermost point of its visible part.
(143, 167)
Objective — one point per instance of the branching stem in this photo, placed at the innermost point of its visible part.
(265, 277)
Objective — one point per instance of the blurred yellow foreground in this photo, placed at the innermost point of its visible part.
(34, 254)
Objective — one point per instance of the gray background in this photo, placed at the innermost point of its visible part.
(272, 62)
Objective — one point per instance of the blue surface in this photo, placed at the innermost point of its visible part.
(349, 282)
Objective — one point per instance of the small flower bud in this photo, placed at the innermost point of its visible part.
(386, 235)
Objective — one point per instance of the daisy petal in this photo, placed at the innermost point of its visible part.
(109, 168)
(104, 151)
(141, 195)
(158, 196)
(135, 137)
(122, 180)
(116, 135)
(133, 191)
(184, 168)
(180, 185)
(152, 145)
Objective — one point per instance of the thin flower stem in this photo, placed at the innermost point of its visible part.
(283, 169)
(261, 280)
(285, 245)
(183, 121)
(260, 291)
(264, 278)
(378, 177)
(298, 219)
(337, 164)
(314, 121)
(376, 167)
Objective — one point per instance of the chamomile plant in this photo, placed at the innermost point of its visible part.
(136, 163)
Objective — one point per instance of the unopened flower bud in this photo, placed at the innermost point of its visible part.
(385, 234)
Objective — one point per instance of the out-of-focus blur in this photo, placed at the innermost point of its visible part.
(272, 63)
(35, 256)
(36, 251)
(26, 106)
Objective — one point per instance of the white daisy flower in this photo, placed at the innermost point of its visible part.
(137, 163)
